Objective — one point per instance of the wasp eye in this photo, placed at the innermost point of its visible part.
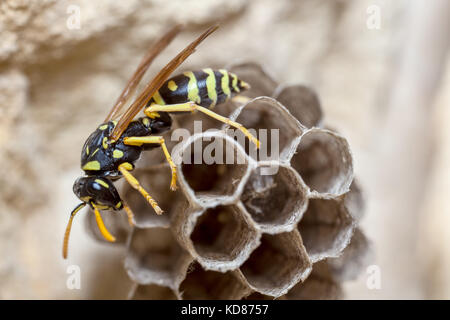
(78, 186)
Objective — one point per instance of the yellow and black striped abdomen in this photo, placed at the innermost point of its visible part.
(206, 88)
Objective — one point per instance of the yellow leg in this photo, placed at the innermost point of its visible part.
(125, 168)
(191, 106)
(139, 141)
(101, 226)
(69, 227)
(129, 214)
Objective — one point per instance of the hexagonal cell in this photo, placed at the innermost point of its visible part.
(155, 257)
(273, 125)
(156, 180)
(275, 197)
(260, 82)
(355, 258)
(324, 161)
(220, 238)
(115, 221)
(320, 285)
(212, 168)
(302, 102)
(201, 284)
(277, 264)
(326, 228)
(354, 201)
(152, 292)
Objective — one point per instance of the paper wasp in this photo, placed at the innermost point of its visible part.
(110, 151)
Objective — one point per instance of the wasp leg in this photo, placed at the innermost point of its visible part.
(125, 168)
(191, 106)
(101, 226)
(69, 227)
(139, 141)
(129, 214)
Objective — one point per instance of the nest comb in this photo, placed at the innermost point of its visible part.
(233, 231)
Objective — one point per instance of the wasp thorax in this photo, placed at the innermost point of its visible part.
(98, 190)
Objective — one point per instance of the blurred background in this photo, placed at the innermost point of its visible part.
(380, 69)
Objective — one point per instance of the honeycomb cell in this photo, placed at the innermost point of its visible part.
(156, 180)
(277, 264)
(155, 257)
(302, 102)
(275, 197)
(355, 258)
(261, 83)
(152, 292)
(219, 238)
(212, 168)
(320, 285)
(354, 201)
(201, 284)
(324, 161)
(326, 228)
(273, 125)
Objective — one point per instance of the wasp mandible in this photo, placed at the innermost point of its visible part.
(111, 150)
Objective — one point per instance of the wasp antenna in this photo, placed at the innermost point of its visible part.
(101, 226)
(69, 227)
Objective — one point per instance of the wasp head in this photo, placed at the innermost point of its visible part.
(100, 194)
(99, 191)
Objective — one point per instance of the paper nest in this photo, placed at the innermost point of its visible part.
(232, 232)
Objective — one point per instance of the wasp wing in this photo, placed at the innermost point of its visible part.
(130, 88)
(155, 84)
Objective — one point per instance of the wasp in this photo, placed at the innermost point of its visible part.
(110, 152)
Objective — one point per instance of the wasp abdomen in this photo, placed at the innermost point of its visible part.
(206, 88)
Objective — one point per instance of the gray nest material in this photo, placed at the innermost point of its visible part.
(233, 232)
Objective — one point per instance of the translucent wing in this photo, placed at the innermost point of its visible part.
(155, 84)
(130, 88)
